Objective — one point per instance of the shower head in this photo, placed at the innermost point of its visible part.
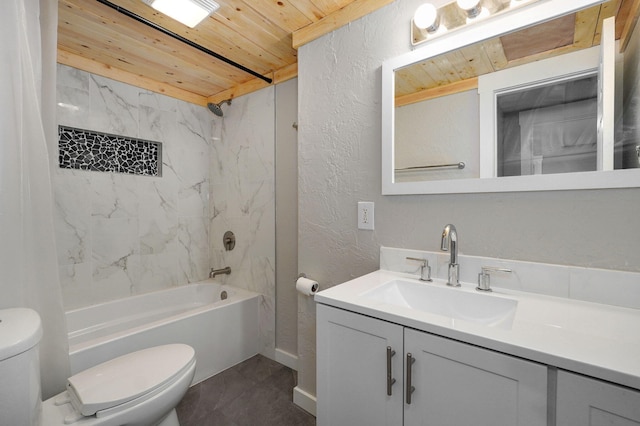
(217, 108)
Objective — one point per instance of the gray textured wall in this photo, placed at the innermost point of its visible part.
(339, 165)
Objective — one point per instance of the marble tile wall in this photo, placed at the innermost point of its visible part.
(242, 200)
(120, 234)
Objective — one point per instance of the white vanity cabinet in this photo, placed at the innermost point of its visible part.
(460, 384)
(583, 401)
(352, 370)
(453, 383)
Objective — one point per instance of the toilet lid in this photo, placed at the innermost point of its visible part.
(127, 377)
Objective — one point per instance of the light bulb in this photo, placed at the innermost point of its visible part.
(471, 7)
(426, 17)
(467, 4)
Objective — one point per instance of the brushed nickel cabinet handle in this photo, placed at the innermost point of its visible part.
(410, 389)
(390, 380)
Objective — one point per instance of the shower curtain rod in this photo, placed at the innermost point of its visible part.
(182, 39)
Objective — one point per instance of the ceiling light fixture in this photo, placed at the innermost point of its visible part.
(188, 12)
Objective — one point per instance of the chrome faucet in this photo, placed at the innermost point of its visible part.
(450, 243)
(214, 272)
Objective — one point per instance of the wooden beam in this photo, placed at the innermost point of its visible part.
(76, 61)
(282, 75)
(88, 65)
(286, 73)
(239, 90)
(355, 10)
(449, 89)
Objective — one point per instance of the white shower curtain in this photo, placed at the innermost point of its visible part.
(28, 260)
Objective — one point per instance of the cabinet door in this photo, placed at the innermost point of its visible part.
(352, 370)
(462, 385)
(583, 401)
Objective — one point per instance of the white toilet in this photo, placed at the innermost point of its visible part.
(138, 389)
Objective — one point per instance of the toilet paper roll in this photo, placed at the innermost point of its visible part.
(306, 286)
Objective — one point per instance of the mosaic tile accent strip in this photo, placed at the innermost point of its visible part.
(101, 152)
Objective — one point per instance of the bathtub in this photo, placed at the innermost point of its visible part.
(222, 332)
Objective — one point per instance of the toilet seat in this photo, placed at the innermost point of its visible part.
(132, 389)
(128, 380)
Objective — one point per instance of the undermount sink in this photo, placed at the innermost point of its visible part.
(486, 309)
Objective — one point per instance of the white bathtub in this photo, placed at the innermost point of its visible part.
(222, 332)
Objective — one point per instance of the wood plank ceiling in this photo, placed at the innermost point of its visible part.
(261, 35)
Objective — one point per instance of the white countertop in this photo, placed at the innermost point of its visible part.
(593, 339)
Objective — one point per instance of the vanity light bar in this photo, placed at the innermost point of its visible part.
(429, 21)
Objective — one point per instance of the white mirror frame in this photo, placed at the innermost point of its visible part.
(537, 12)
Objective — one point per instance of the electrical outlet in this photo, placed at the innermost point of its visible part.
(365, 215)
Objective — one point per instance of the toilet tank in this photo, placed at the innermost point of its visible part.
(20, 333)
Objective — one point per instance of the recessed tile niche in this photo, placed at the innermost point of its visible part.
(88, 150)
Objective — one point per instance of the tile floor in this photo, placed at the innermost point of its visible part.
(256, 392)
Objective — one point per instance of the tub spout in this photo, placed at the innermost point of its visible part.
(226, 270)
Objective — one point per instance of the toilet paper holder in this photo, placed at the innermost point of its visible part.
(306, 286)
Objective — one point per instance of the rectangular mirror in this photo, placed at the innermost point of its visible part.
(539, 98)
